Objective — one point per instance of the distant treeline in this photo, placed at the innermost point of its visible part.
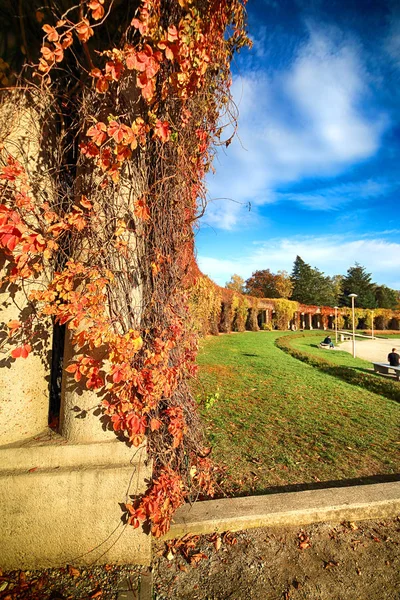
(309, 285)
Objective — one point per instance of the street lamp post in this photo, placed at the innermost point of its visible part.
(352, 296)
(372, 324)
(336, 308)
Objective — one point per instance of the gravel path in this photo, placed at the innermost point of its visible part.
(373, 350)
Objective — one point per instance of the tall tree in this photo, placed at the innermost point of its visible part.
(310, 286)
(337, 288)
(236, 284)
(262, 284)
(358, 281)
(283, 284)
(386, 297)
(265, 284)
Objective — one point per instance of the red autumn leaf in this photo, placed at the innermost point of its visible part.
(139, 25)
(96, 72)
(105, 160)
(123, 153)
(51, 33)
(10, 236)
(89, 149)
(117, 131)
(118, 422)
(148, 86)
(97, 133)
(21, 351)
(162, 130)
(114, 69)
(133, 60)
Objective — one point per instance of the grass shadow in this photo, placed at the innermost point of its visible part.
(322, 485)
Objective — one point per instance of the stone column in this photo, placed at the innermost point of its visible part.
(24, 383)
(310, 321)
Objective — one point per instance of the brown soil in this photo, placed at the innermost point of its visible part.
(321, 562)
(325, 561)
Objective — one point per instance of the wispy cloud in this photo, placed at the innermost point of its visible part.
(304, 122)
(333, 198)
(392, 41)
(332, 255)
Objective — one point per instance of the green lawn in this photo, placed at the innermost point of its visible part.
(273, 420)
(310, 344)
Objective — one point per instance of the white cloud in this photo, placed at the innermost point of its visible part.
(392, 41)
(336, 196)
(305, 122)
(332, 255)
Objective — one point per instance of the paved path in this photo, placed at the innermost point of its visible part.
(373, 350)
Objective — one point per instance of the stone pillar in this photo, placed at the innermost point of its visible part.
(78, 423)
(310, 321)
(24, 383)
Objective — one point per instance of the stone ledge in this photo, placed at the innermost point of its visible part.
(356, 503)
(57, 453)
(66, 509)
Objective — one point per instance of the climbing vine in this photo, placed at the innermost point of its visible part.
(135, 91)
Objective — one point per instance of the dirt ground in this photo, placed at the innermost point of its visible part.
(373, 350)
(348, 561)
(326, 561)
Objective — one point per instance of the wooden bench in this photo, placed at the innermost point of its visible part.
(385, 368)
(326, 346)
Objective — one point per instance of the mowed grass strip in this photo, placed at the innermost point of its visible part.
(273, 420)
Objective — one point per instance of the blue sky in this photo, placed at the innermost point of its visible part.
(314, 169)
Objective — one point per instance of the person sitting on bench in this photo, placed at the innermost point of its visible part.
(394, 358)
(328, 342)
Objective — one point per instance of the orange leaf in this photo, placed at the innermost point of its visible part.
(97, 133)
(97, 9)
(86, 203)
(162, 130)
(21, 351)
(14, 324)
(51, 33)
(72, 571)
(84, 30)
(155, 424)
(141, 210)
